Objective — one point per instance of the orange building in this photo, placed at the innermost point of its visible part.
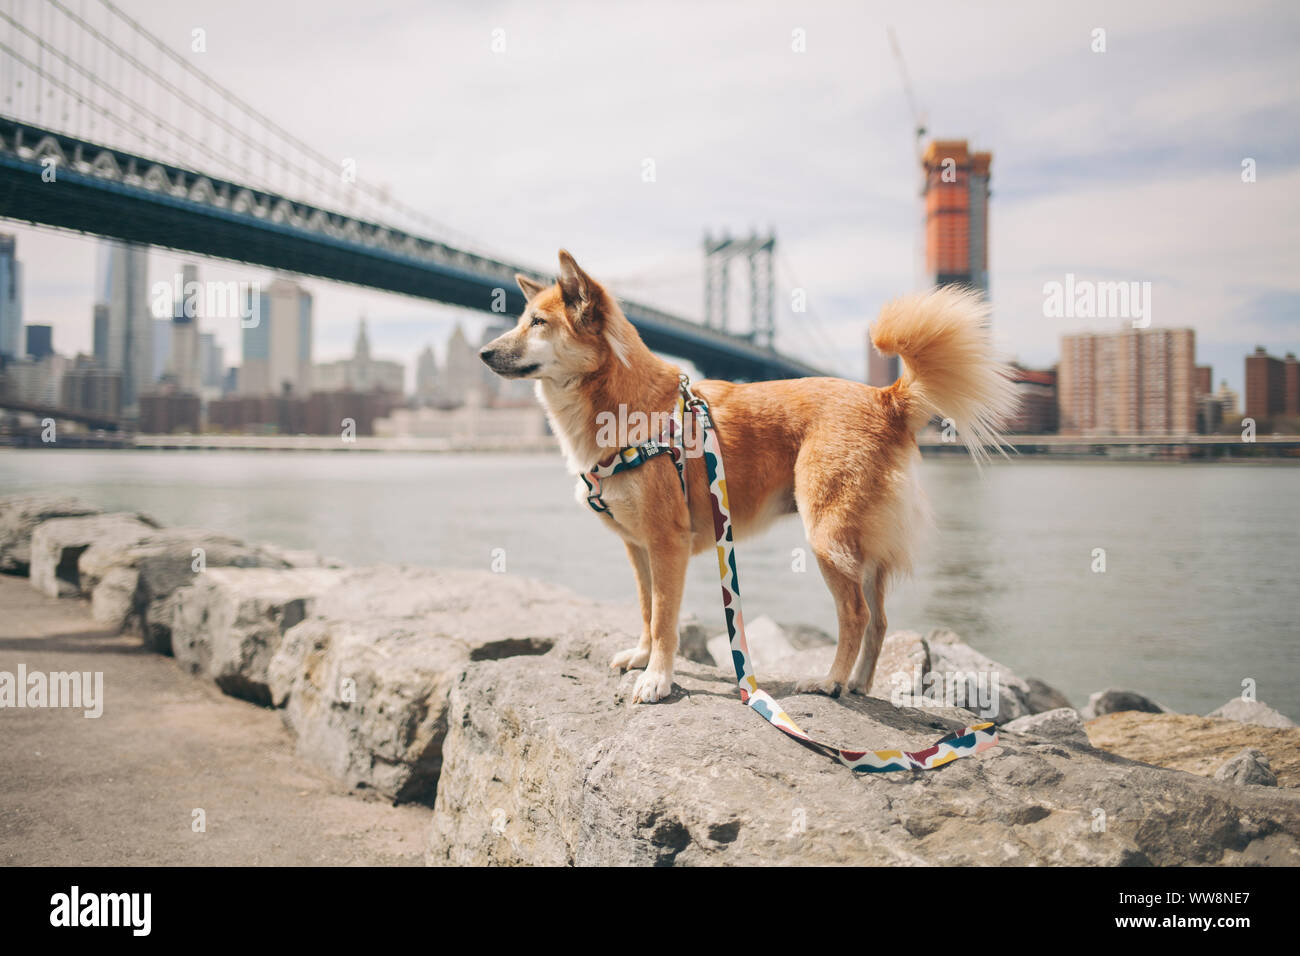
(956, 194)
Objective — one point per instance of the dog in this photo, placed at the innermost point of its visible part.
(841, 454)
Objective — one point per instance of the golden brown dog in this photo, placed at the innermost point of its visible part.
(840, 453)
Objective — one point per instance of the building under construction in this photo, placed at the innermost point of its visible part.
(955, 201)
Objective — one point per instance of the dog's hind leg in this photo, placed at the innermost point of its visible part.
(843, 577)
(865, 669)
(638, 656)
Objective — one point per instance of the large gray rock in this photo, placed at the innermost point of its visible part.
(768, 643)
(364, 682)
(1044, 697)
(228, 623)
(1063, 724)
(1249, 768)
(954, 660)
(545, 762)
(58, 545)
(1113, 701)
(19, 516)
(1252, 712)
(164, 562)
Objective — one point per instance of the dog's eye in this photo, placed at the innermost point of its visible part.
(537, 320)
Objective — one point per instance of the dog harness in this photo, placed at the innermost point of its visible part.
(970, 740)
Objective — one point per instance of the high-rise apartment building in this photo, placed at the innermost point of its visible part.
(11, 299)
(1272, 385)
(1129, 382)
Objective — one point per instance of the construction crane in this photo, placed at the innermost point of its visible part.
(918, 121)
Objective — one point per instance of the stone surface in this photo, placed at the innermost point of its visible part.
(365, 681)
(1198, 745)
(545, 762)
(1063, 724)
(1044, 697)
(58, 545)
(1252, 712)
(228, 624)
(1249, 768)
(1113, 701)
(19, 516)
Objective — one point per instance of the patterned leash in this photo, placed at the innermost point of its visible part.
(969, 741)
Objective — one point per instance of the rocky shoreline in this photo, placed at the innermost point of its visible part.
(488, 698)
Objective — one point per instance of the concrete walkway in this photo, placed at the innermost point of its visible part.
(122, 789)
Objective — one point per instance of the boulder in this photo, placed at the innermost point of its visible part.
(364, 682)
(1197, 745)
(1063, 725)
(1113, 701)
(768, 642)
(165, 561)
(1044, 697)
(19, 516)
(953, 659)
(228, 623)
(1252, 712)
(693, 640)
(113, 600)
(545, 762)
(58, 544)
(1248, 768)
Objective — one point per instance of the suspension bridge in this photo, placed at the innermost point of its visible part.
(107, 130)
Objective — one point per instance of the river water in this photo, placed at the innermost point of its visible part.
(1198, 592)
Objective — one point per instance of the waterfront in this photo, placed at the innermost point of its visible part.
(1197, 595)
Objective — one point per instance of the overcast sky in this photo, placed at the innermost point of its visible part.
(1122, 165)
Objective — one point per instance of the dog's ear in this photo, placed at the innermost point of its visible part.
(577, 289)
(528, 286)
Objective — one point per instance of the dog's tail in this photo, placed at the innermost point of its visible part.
(949, 366)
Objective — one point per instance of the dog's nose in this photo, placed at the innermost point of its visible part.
(486, 354)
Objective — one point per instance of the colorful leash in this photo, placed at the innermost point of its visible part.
(969, 741)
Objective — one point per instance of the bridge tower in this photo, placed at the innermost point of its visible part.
(759, 251)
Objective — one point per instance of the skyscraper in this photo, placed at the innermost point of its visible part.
(183, 362)
(211, 360)
(11, 299)
(123, 288)
(956, 194)
(40, 341)
(277, 350)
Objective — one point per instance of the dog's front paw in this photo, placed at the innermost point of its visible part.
(630, 659)
(652, 686)
(823, 685)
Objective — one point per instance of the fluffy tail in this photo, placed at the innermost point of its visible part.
(949, 366)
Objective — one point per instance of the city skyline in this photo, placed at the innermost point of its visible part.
(1148, 184)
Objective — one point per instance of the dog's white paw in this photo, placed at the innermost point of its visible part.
(630, 659)
(859, 689)
(822, 685)
(652, 686)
